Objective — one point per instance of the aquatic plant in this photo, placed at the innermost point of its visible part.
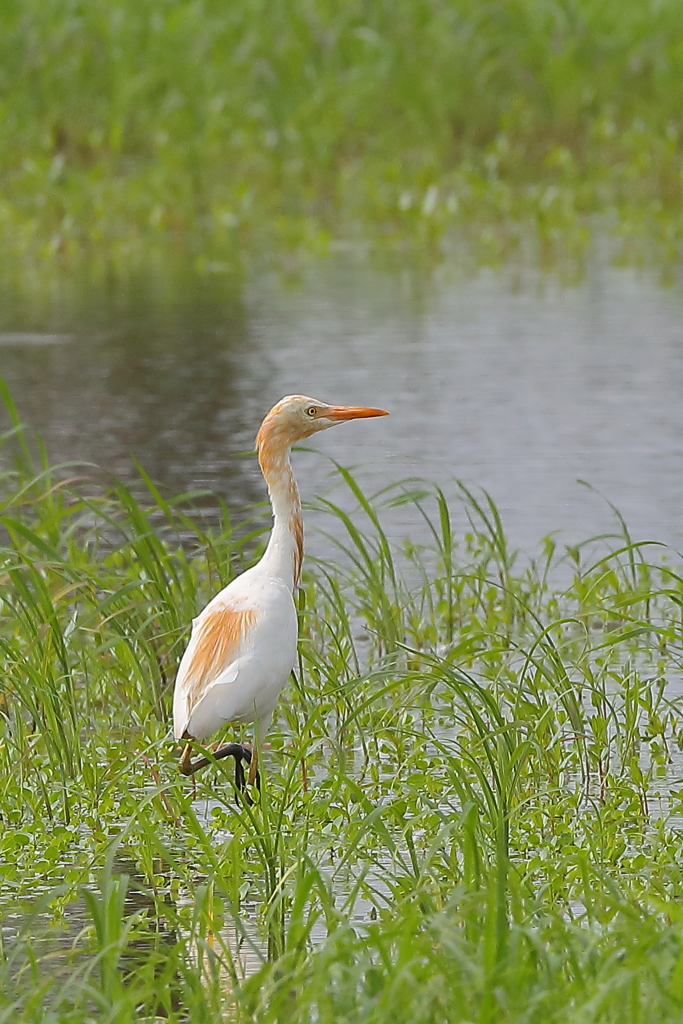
(470, 808)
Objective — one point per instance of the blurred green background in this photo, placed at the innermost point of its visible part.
(275, 125)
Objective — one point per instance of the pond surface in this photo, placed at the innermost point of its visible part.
(523, 389)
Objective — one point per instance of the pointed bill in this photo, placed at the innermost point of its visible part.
(350, 412)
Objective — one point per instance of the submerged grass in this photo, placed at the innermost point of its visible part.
(127, 125)
(471, 802)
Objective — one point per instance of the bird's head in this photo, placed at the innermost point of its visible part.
(296, 417)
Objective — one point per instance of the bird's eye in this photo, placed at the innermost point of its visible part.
(311, 411)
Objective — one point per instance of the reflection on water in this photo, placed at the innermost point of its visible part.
(59, 942)
(519, 390)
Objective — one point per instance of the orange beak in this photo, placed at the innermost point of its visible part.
(339, 413)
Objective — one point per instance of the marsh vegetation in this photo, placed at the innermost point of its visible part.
(222, 129)
(471, 801)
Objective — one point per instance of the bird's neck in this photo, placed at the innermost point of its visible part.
(285, 551)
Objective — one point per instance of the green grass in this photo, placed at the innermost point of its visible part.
(471, 805)
(130, 125)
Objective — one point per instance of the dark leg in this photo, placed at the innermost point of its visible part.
(236, 750)
(251, 757)
(239, 777)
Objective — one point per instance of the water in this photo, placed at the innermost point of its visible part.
(521, 389)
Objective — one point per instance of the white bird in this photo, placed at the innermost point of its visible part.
(243, 644)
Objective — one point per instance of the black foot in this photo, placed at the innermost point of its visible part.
(240, 782)
(236, 750)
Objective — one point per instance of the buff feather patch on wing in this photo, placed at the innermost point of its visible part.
(219, 634)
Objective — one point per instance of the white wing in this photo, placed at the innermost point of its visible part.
(238, 659)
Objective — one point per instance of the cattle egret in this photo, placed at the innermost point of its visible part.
(243, 645)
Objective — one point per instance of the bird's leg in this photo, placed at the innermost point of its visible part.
(185, 762)
(254, 776)
(239, 778)
(236, 750)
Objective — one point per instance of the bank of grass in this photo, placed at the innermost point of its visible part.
(471, 803)
(224, 128)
